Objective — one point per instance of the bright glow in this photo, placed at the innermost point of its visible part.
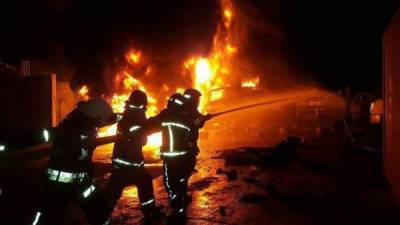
(134, 128)
(252, 83)
(84, 92)
(216, 95)
(84, 137)
(147, 202)
(187, 96)
(37, 218)
(155, 140)
(167, 180)
(170, 153)
(84, 154)
(228, 13)
(136, 107)
(126, 163)
(134, 57)
(203, 71)
(179, 102)
(171, 139)
(46, 135)
(175, 125)
(2, 148)
(88, 191)
(119, 117)
(65, 177)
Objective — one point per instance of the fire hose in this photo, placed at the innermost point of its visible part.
(252, 106)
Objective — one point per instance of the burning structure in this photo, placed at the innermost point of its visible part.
(212, 74)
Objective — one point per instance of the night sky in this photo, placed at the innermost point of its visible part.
(336, 43)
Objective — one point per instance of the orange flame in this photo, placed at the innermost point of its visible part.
(251, 83)
(212, 73)
(84, 92)
(134, 56)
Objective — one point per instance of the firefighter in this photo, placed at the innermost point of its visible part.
(128, 160)
(69, 176)
(174, 151)
(197, 121)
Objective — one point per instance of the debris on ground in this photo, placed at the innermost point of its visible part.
(284, 152)
(231, 174)
(202, 184)
(222, 210)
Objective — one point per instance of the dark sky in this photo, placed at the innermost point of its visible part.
(338, 42)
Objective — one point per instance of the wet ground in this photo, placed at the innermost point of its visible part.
(320, 181)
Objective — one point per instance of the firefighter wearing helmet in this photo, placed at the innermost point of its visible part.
(69, 176)
(197, 121)
(128, 161)
(174, 151)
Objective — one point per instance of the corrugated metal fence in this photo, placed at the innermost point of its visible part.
(391, 89)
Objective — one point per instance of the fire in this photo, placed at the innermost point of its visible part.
(154, 140)
(84, 92)
(203, 71)
(134, 56)
(252, 83)
(212, 73)
(129, 83)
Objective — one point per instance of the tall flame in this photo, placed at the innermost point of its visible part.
(210, 74)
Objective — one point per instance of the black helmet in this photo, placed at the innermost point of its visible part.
(137, 99)
(97, 108)
(176, 101)
(192, 96)
(191, 93)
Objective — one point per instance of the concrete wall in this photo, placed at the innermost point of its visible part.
(391, 89)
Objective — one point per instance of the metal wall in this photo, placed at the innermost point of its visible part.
(391, 92)
(39, 103)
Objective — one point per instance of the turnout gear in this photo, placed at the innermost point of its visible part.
(197, 120)
(137, 99)
(176, 102)
(174, 151)
(128, 160)
(192, 96)
(69, 177)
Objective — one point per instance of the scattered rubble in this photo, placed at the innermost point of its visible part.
(284, 152)
(232, 174)
(202, 184)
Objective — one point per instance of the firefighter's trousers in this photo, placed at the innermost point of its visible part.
(56, 196)
(177, 171)
(122, 177)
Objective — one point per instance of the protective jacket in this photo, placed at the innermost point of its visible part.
(128, 151)
(176, 131)
(71, 133)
